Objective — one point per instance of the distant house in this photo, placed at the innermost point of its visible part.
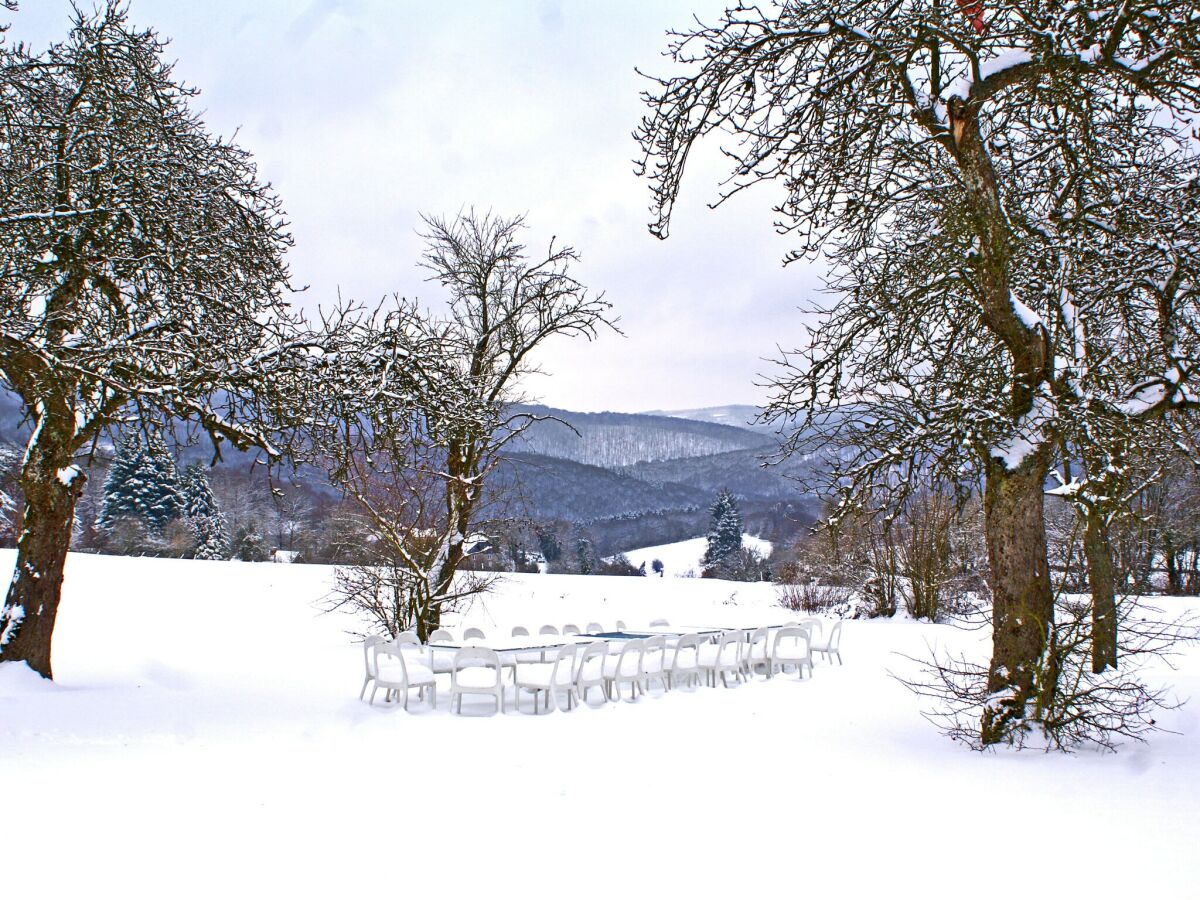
(477, 543)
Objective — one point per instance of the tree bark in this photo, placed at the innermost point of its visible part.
(1104, 594)
(52, 487)
(1171, 561)
(1023, 603)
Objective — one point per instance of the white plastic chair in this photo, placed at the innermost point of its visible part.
(595, 628)
(396, 675)
(792, 647)
(685, 660)
(547, 629)
(548, 678)
(831, 647)
(473, 634)
(589, 673)
(654, 662)
(520, 631)
(570, 629)
(757, 650)
(660, 623)
(442, 662)
(723, 658)
(620, 625)
(477, 670)
(624, 667)
(813, 622)
(368, 646)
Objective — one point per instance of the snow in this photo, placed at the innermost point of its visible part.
(204, 738)
(1028, 317)
(1028, 436)
(682, 558)
(68, 474)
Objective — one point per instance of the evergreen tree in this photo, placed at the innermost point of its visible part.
(203, 515)
(119, 502)
(725, 532)
(249, 544)
(157, 482)
(585, 555)
(142, 484)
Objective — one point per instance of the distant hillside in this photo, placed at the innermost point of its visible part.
(739, 415)
(740, 471)
(613, 440)
(550, 488)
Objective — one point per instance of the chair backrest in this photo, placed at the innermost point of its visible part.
(441, 636)
(688, 642)
(392, 651)
(520, 631)
(369, 644)
(759, 636)
(474, 634)
(729, 650)
(835, 635)
(476, 658)
(660, 623)
(591, 664)
(563, 672)
(812, 621)
(629, 661)
(406, 637)
(595, 628)
(792, 634)
(570, 628)
(654, 651)
(620, 625)
(547, 629)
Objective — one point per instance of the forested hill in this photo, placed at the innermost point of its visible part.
(616, 440)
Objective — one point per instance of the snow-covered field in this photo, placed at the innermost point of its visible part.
(204, 739)
(682, 559)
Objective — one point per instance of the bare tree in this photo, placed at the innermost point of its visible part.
(141, 273)
(418, 459)
(962, 172)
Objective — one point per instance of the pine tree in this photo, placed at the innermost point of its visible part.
(203, 515)
(160, 489)
(585, 556)
(725, 532)
(142, 484)
(118, 501)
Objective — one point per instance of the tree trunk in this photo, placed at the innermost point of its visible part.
(1023, 603)
(52, 487)
(1104, 594)
(1171, 561)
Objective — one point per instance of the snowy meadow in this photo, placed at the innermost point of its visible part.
(204, 734)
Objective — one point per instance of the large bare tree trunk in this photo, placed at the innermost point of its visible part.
(1023, 603)
(52, 487)
(1104, 595)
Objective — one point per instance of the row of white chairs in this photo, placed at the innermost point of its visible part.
(445, 636)
(402, 664)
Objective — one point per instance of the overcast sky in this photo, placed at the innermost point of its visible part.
(364, 113)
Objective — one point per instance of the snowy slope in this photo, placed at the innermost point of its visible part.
(682, 559)
(204, 739)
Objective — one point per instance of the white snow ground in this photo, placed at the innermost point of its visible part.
(204, 739)
(682, 559)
